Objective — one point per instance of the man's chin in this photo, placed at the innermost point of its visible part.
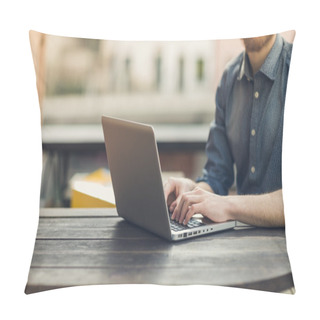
(256, 44)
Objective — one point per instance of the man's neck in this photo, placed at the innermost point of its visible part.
(257, 58)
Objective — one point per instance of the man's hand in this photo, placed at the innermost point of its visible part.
(174, 188)
(210, 205)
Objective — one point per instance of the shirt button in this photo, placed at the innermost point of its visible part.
(256, 94)
(253, 132)
(253, 169)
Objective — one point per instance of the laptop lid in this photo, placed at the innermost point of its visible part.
(133, 160)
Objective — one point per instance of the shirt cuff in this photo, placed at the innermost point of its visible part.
(216, 187)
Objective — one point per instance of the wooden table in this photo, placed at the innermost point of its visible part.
(94, 246)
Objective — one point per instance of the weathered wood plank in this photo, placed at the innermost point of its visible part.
(47, 278)
(116, 227)
(101, 253)
(223, 246)
(83, 228)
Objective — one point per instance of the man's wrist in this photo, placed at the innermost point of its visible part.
(231, 207)
(205, 186)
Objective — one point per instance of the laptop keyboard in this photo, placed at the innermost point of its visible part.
(193, 223)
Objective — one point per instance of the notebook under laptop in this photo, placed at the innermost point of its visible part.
(134, 165)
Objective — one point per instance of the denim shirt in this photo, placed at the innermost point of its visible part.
(246, 136)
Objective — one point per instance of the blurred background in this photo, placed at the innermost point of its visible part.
(170, 85)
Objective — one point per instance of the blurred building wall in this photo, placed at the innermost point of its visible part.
(150, 81)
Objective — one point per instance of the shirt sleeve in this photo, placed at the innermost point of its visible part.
(218, 171)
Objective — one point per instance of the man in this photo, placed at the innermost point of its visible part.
(247, 133)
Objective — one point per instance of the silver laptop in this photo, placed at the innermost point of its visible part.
(134, 165)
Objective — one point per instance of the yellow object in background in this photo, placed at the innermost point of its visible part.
(93, 190)
(101, 176)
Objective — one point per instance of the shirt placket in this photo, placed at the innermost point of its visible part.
(253, 165)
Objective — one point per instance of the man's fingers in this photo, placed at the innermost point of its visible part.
(192, 210)
(175, 209)
(173, 205)
(187, 200)
(180, 206)
(185, 203)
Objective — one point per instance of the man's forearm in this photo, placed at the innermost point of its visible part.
(260, 210)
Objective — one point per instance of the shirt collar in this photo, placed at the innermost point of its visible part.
(245, 67)
(269, 67)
